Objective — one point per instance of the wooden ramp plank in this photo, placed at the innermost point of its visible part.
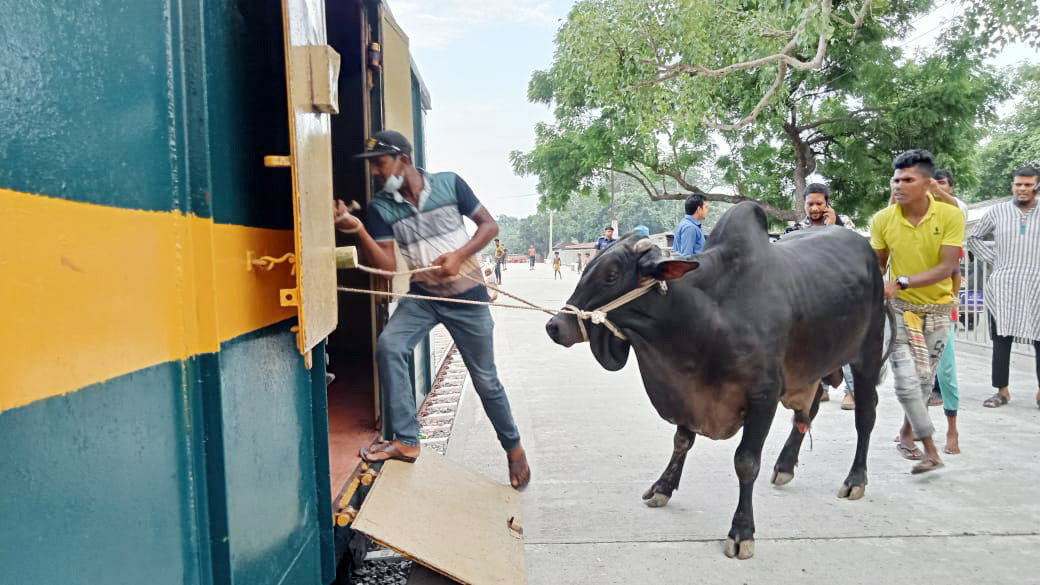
(447, 518)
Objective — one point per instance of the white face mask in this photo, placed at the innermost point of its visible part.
(393, 185)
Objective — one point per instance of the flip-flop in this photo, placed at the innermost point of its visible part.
(911, 453)
(997, 400)
(927, 465)
(390, 452)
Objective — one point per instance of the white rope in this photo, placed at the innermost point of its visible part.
(596, 316)
(391, 274)
(380, 293)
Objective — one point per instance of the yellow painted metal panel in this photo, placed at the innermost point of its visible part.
(397, 78)
(448, 518)
(90, 292)
(311, 161)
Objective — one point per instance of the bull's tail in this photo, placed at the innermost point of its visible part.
(892, 335)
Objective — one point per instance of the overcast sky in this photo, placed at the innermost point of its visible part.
(476, 57)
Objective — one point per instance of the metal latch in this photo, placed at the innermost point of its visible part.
(288, 297)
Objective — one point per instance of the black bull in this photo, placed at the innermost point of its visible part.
(741, 326)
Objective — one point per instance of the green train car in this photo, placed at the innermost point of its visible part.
(167, 171)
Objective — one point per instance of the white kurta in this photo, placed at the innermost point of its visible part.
(1012, 293)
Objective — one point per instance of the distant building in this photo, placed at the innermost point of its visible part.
(569, 251)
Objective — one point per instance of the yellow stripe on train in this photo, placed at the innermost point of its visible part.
(90, 292)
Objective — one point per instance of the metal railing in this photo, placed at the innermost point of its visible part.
(973, 321)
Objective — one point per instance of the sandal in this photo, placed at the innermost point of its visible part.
(384, 450)
(912, 452)
(927, 465)
(997, 400)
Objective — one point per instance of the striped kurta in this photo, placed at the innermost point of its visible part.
(1012, 293)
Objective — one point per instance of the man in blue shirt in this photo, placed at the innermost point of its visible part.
(605, 240)
(689, 239)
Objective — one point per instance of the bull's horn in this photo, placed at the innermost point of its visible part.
(642, 245)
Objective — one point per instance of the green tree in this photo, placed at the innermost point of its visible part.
(1015, 142)
(582, 219)
(745, 100)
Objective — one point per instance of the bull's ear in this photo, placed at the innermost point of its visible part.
(673, 268)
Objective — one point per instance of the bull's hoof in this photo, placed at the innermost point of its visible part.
(782, 477)
(654, 499)
(852, 492)
(743, 551)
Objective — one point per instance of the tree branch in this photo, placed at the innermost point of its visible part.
(819, 138)
(850, 116)
(784, 59)
(638, 180)
(762, 103)
(769, 208)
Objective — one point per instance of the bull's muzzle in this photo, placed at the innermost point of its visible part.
(563, 329)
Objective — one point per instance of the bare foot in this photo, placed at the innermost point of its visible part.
(519, 471)
(953, 446)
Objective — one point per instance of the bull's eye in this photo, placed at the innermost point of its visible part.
(611, 277)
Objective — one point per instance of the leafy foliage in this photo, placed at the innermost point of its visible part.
(1015, 142)
(582, 219)
(724, 97)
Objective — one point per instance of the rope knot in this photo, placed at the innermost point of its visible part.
(597, 317)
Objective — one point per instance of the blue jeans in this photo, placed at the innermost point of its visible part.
(850, 384)
(472, 329)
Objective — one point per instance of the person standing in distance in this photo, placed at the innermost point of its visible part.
(605, 240)
(689, 237)
(1012, 299)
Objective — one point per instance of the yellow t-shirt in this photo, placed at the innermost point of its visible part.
(913, 249)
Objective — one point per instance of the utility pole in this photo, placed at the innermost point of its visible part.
(613, 221)
(549, 250)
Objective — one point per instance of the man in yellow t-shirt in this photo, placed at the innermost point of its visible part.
(919, 241)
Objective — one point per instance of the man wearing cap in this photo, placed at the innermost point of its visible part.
(423, 213)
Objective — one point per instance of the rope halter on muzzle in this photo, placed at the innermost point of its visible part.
(599, 316)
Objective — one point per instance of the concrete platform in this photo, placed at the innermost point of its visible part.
(595, 444)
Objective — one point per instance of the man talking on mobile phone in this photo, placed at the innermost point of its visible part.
(818, 210)
(819, 213)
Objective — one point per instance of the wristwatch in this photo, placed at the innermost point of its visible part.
(904, 282)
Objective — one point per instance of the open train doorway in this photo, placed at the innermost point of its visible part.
(353, 393)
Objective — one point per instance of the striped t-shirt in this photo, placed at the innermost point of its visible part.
(1011, 291)
(433, 228)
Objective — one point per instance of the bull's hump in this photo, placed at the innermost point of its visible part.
(742, 227)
